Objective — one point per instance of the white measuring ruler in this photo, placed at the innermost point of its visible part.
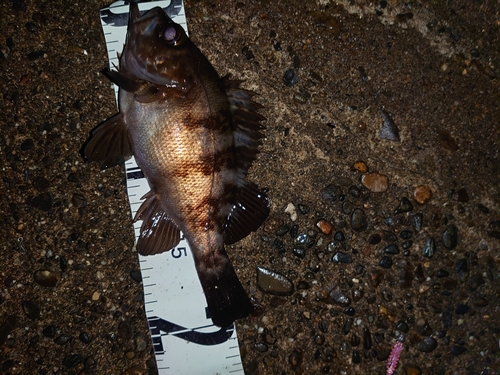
(185, 341)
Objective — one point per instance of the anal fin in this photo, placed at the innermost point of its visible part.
(158, 232)
(110, 143)
(246, 216)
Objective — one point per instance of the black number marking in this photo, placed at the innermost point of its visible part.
(160, 327)
(177, 252)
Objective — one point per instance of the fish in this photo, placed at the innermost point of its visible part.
(195, 135)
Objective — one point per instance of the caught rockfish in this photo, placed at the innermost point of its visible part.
(194, 135)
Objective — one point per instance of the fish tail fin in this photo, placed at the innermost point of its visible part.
(226, 298)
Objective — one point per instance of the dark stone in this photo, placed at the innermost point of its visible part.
(339, 236)
(43, 201)
(483, 209)
(375, 277)
(350, 311)
(45, 278)
(374, 239)
(261, 347)
(358, 220)
(417, 222)
(136, 276)
(461, 309)
(72, 360)
(407, 244)
(247, 52)
(356, 358)
(450, 237)
(278, 245)
(427, 345)
(385, 262)
(403, 327)
(299, 252)
(404, 206)
(442, 273)
(35, 55)
(347, 207)
(367, 339)
(84, 337)
(389, 129)
(290, 78)
(391, 249)
(303, 209)
(63, 339)
(457, 349)
(49, 331)
(339, 298)
(461, 268)
(346, 328)
(331, 193)
(405, 234)
(27, 145)
(31, 309)
(340, 257)
(282, 230)
(63, 263)
(429, 248)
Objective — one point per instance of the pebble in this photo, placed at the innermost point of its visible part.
(290, 78)
(290, 209)
(84, 337)
(247, 52)
(350, 311)
(427, 345)
(31, 309)
(450, 237)
(358, 220)
(45, 278)
(63, 339)
(360, 166)
(391, 249)
(346, 328)
(405, 234)
(27, 145)
(356, 358)
(299, 252)
(461, 309)
(385, 262)
(49, 331)
(35, 55)
(389, 129)
(461, 195)
(429, 248)
(339, 236)
(339, 297)
(404, 206)
(273, 282)
(367, 339)
(79, 200)
(72, 360)
(442, 273)
(324, 226)
(331, 193)
(136, 276)
(303, 209)
(347, 207)
(340, 257)
(412, 370)
(457, 349)
(422, 194)
(446, 140)
(375, 277)
(417, 222)
(63, 263)
(374, 239)
(375, 182)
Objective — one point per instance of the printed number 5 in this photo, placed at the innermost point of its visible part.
(177, 252)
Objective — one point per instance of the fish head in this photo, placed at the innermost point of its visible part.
(158, 50)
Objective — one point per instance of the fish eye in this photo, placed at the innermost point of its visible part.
(173, 34)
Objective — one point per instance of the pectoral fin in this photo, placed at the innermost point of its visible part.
(158, 232)
(110, 143)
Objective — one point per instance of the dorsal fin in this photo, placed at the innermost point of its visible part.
(246, 123)
(251, 206)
